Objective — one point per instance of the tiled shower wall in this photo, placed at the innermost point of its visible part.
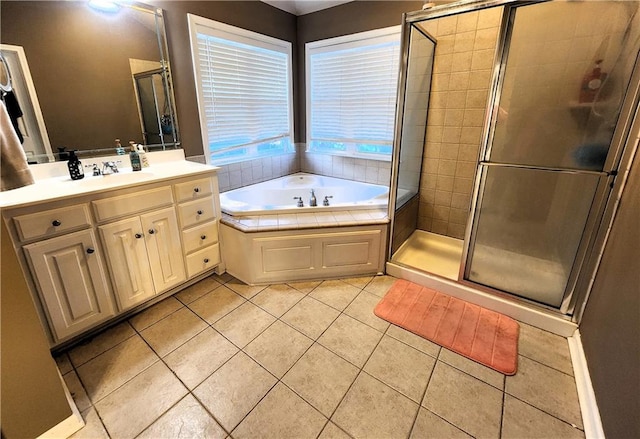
(460, 86)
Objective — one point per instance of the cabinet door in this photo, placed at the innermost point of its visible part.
(72, 283)
(163, 247)
(126, 252)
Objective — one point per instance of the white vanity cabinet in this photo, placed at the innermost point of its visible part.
(144, 256)
(68, 272)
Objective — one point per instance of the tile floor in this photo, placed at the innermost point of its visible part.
(308, 359)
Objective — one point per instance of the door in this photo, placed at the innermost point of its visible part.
(128, 261)
(561, 110)
(163, 248)
(69, 276)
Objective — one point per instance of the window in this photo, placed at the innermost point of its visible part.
(244, 89)
(351, 93)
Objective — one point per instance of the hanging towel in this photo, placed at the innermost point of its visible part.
(15, 112)
(14, 170)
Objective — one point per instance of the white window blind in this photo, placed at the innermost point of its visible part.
(244, 91)
(351, 96)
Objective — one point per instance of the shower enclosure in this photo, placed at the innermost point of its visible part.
(512, 125)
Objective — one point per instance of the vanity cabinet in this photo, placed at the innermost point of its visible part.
(69, 273)
(144, 256)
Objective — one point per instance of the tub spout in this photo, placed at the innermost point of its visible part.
(313, 202)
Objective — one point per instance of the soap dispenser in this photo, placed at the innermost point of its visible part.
(136, 165)
(75, 166)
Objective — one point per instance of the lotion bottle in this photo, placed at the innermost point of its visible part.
(143, 156)
(134, 157)
(75, 166)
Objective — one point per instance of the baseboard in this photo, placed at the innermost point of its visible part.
(588, 404)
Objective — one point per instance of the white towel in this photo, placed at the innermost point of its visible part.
(14, 170)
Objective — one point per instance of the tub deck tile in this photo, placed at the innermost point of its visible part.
(293, 221)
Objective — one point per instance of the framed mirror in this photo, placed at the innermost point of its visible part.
(88, 66)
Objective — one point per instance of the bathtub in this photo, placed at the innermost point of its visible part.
(277, 196)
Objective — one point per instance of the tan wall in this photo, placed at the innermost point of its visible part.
(461, 78)
(32, 397)
(611, 324)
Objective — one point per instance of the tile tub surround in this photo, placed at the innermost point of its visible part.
(300, 373)
(349, 168)
(236, 175)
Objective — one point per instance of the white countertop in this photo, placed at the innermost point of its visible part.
(60, 187)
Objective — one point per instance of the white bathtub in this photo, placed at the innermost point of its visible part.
(277, 196)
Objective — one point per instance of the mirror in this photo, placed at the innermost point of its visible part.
(99, 75)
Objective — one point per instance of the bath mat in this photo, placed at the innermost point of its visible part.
(482, 335)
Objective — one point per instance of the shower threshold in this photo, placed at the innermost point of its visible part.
(430, 252)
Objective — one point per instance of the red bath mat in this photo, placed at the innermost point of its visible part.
(482, 335)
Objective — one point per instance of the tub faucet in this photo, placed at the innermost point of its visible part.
(300, 202)
(313, 202)
(325, 202)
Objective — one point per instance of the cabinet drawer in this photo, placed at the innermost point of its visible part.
(52, 222)
(193, 189)
(203, 260)
(195, 212)
(124, 205)
(200, 236)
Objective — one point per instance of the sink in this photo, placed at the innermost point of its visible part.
(116, 179)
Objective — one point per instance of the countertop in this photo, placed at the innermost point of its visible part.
(61, 187)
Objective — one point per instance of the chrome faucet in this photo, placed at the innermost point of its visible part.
(313, 202)
(109, 168)
(325, 202)
(94, 168)
(300, 202)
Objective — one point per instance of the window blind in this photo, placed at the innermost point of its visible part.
(244, 88)
(352, 95)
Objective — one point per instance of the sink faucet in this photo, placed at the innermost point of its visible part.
(109, 168)
(313, 202)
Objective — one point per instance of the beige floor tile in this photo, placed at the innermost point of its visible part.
(155, 313)
(187, 419)
(173, 331)
(546, 389)
(113, 368)
(310, 317)
(358, 282)
(468, 403)
(402, 367)
(198, 358)
(352, 340)
(545, 347)
(332, 431)
(278, 348)
(137, 404)
(244, 324)
(428, 426)
(335, 293)
(246, 291)
(322, 378)
(95, 346)
(77, 391)
(277, 299)
(63, 363)
(305, 287)
(373, 409)
(234, 389)
(198, 290)
(216, 304)
(524, 421)
(413, 340)
(379, 285)
(362, 309)
(484, 373)
(281, 414)
(93, 428)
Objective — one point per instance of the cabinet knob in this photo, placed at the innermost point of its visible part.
(196, 189)
(56, 223)
(90, 250)
(138, 235)
(152, 231)
(203, 237)
(199, 212)
(206, 260)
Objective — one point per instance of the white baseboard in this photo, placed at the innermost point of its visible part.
(588, 404)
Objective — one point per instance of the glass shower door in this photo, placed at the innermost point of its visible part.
(549, 160)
